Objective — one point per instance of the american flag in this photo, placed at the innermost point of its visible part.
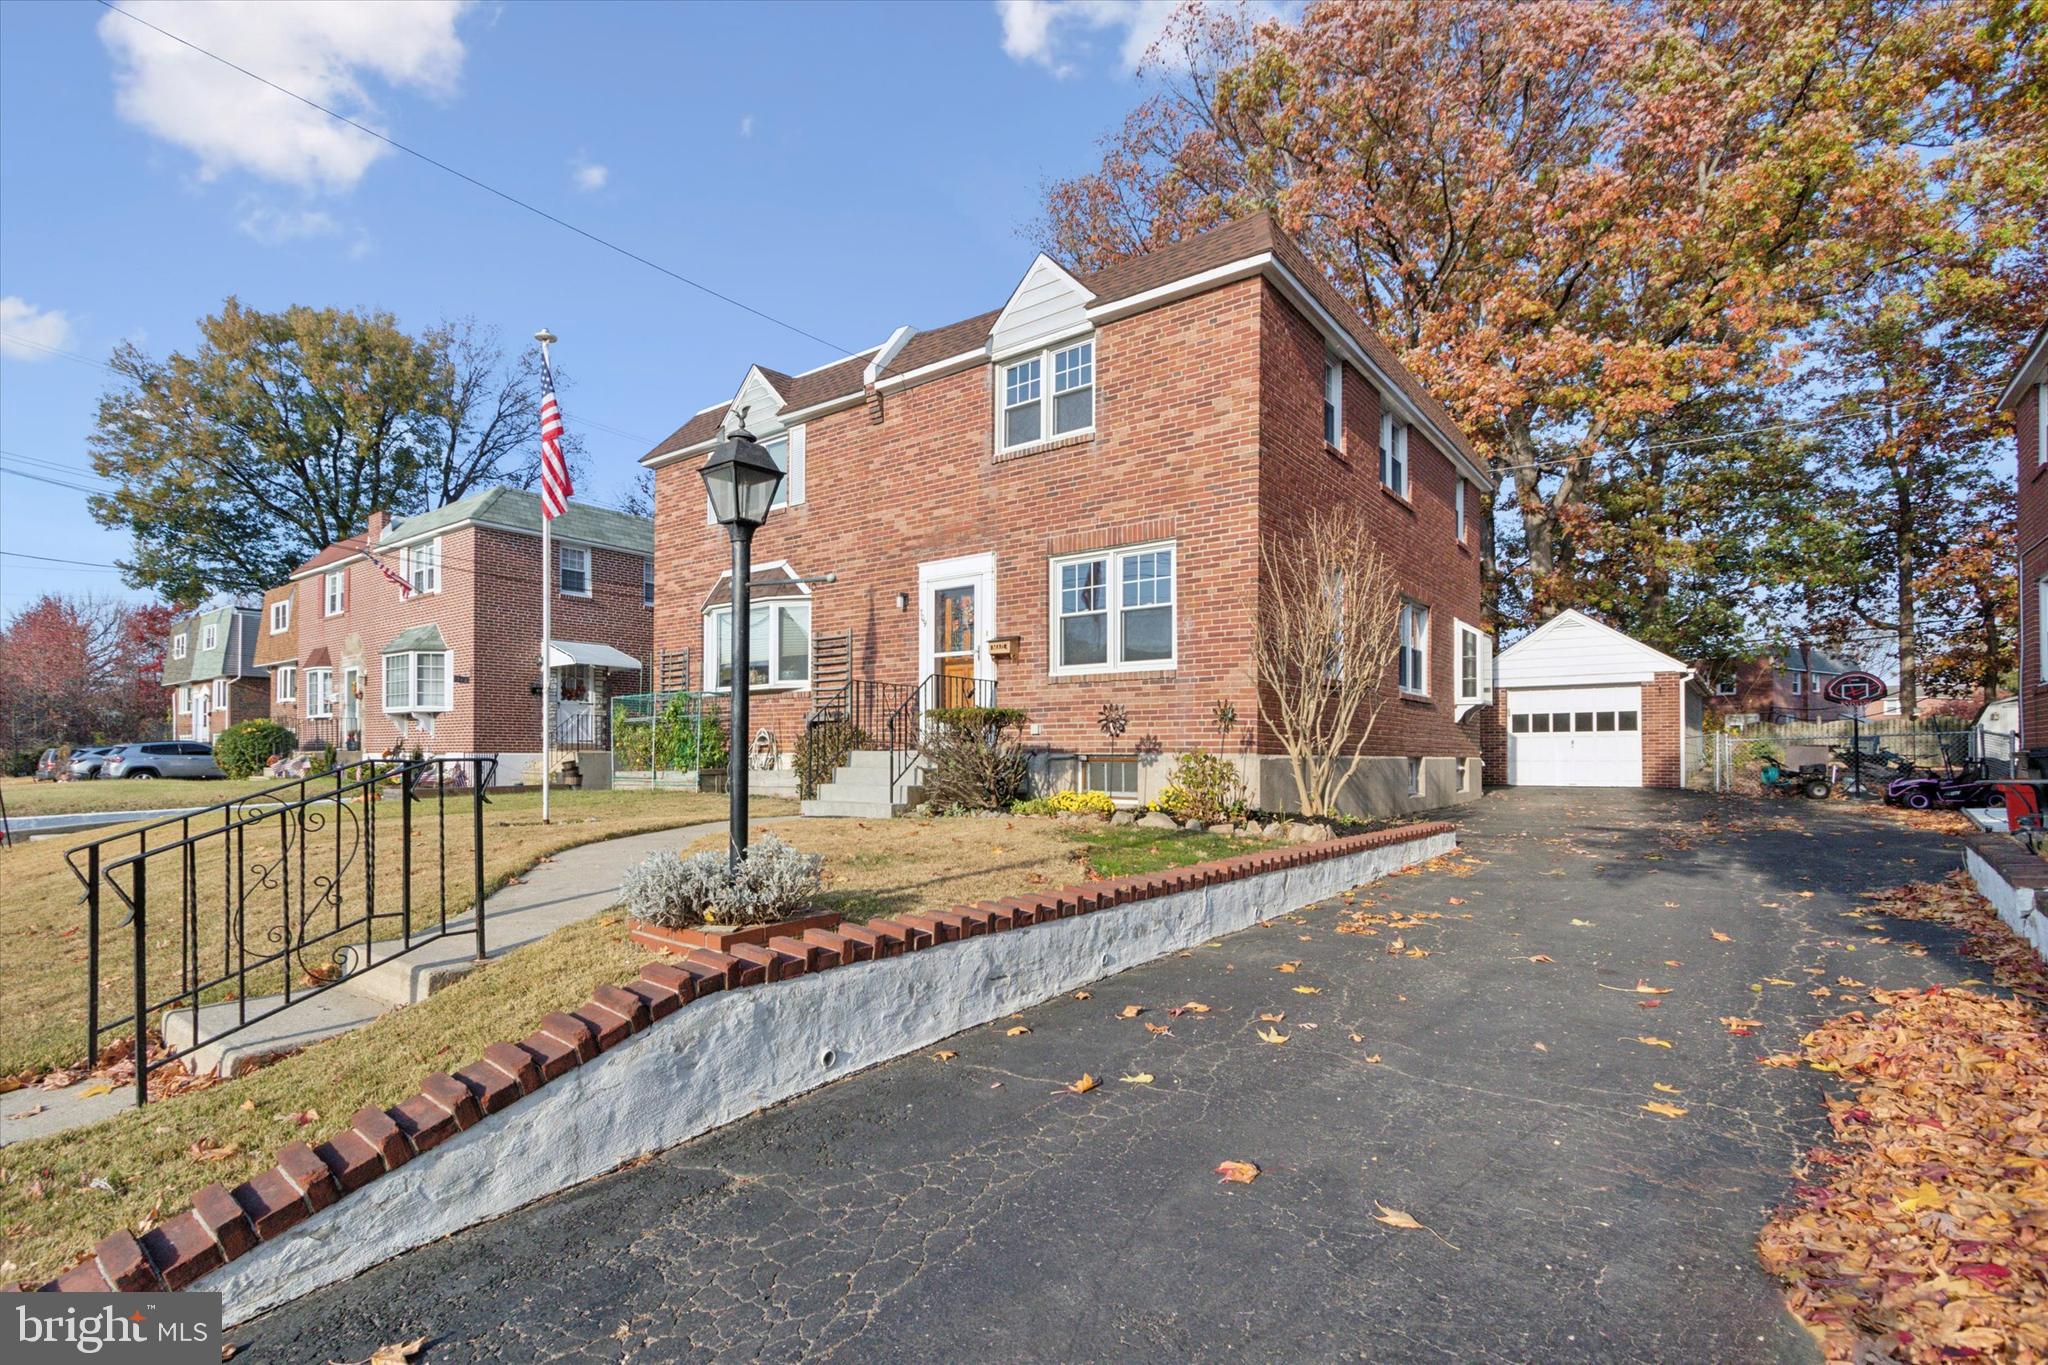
(389, 573)
(555, 488)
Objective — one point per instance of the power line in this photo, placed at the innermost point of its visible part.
(479, 184)
(52, 559)
(58, 483)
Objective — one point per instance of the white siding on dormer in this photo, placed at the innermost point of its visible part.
(1049, 303)
(1574, 650)
(762, 402)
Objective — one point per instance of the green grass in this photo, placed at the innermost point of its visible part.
(1127, 851)
(26, 796)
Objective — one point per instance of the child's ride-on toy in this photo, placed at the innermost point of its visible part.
(1811, 780)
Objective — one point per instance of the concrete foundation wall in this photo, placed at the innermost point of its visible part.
(1381, 787)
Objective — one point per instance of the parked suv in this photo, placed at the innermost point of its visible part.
(87, 762)
(175, 758)
(48, 769)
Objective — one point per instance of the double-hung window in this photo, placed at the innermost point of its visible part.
(416, 681)
(1475, 664)
(778, 644)
(1113, 610)
(287, 683)
(220, 694)
(1458, 503)
(178, 645)
(280, 616)
(574, 570)
(335, 593)
(209, 636)
(423, 566)
(319, 693)
(1798, 683)
(647, 581)
(1033, 409)
(778, 451)
(184, 702)
(2041, 423)
(1414, 656)
(1333, 402)
(1394, 453)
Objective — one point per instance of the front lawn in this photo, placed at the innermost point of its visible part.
(26, 796)
(52, 1209)
(42, 919)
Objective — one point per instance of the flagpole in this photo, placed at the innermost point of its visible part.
(547, 599)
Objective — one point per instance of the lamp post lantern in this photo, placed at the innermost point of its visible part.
(741, 479)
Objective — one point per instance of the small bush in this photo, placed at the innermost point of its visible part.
(1067, 803)
(976, 767)
(775, 882)
(320, 759)
(981, 718)
(823, 749)
(22, 762)
(244, 748)
(1202, 787)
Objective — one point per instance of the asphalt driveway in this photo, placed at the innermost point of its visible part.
(976, 1209)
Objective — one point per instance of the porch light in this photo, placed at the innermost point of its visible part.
(741, 478)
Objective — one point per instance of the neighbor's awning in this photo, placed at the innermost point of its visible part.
(418, 640)
(568, 653)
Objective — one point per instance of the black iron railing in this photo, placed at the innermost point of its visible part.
(279, 896)
(859, 709)
(903, 730)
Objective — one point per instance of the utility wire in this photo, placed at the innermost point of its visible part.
(479, 184)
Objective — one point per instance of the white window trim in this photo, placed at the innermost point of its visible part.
(647, 581)
(408, 560)
(209, 637)
(1394, 471)
(1044, 357)
(2041, 620)
(184, 699)
(284, 607)
(1333, 400)
(410, 704)
(1421, 650)
(1798, 683)
(1725, 689)
(178, 645)
(1113, 597)
(1458, 500)
(319, 693)
(774, 606)
(792, 489)
(285, 683)
(220, 694)
(2041, 423)
(1460, 632)
(589, 567)
(334, 592)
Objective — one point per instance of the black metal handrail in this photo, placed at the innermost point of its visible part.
(297, 898)
(858, 705)
(903, 732)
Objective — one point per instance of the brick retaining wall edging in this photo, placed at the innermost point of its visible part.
(430, 1165)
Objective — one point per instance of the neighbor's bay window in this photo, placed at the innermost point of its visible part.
(778, 645)
(1033, 410)
(1414, 657)
(1113, 609)
(416, 681)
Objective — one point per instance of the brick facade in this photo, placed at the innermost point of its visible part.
(2033, 480)
(1663, 730)
(1207, 434)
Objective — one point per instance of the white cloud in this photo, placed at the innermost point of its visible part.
(589, 175)
(25, 328)
(1057, 34)
(274, 226)
(746, 125)
(321, 49)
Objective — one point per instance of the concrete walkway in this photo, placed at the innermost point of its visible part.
(570, 886)
(976, 1208)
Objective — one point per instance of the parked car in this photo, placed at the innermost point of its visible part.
(47, 767)
(173, 758)
(88, 761)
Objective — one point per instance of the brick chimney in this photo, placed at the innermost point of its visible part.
(379, 520)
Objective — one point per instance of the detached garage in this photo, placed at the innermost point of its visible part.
(1582, 705)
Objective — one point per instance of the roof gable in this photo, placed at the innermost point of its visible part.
(1571, 647)
(1048, 302)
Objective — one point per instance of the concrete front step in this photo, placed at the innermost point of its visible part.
(851, 810)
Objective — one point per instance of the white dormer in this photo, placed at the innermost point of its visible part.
(1048, 305)
(762, 406)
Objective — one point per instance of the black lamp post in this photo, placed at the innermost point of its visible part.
(741, 478)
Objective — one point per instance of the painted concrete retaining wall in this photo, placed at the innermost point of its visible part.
(2011, 878)
(729, 1054)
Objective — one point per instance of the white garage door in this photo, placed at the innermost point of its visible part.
(1576, 737)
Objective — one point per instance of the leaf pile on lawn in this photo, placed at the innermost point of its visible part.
(1924, 1234)
(1954, 901)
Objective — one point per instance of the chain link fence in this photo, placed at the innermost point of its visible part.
(669, 739)
(1857, 757)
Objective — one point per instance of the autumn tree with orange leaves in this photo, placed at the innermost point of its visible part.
(1592, 228)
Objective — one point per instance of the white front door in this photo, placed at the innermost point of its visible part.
(574, 706)
(202, 713)
(956, 608)
(1575, 737)
(352, 708)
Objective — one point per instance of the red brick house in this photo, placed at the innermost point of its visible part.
(211, 673)
(1781, 685)
(453, 665)
(1067, 496)
(2026, 397)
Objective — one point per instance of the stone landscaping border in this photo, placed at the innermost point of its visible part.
(434, 1164)
(2011, 877)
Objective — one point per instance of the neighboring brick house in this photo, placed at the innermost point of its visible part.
(211, 672)
(2026, 397)
(452, 667)
(277, 651)
(1780, 685)
(1069, 495)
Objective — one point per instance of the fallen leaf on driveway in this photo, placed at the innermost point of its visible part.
(1640, 988)
(1720, 937)
(1273, 1036)
(1237, 1172)
(1158, 1028)
(1142, 1078)
(1667, 1089)
(1543, 957)
(945, 1055)
(1922, 1196)
(1080, 995)
(1648, 1004)
(1195, 1007)
(1582, 923)
(1778, 981)
(1395, 1218)
(1374, 1059)
(1308, 990)
(1669, 1111)
(1132, 1011)
(397, 1353)
(1648, 1041)
(1287, 967)
(1085, 1084)
(1541, 1047)
(1779, 1059)
(1016, 1032)
(1739, 1026)
(96, 1088)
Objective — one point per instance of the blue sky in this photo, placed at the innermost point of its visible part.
(845, 167)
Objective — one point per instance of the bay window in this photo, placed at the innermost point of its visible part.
(1414, 656)
(1113, 610)
(416, 681)
(778, 645)
(1032, 410)
(1475, 664)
